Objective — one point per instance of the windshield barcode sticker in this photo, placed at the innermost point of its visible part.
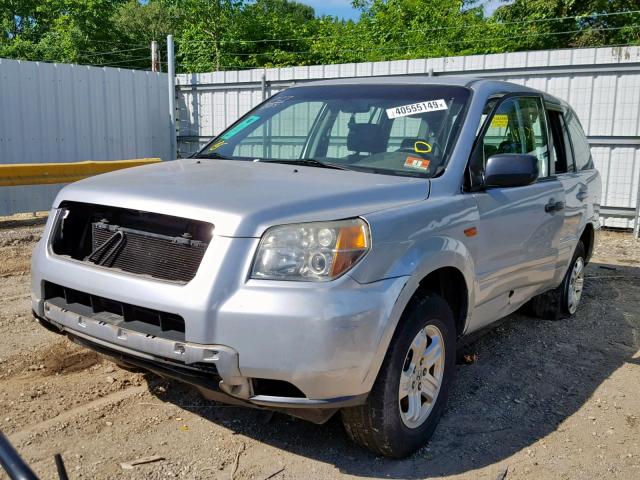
(421, 107)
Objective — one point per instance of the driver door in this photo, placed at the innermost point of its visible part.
(519, 227)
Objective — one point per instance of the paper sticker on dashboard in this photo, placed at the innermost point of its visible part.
(416, 162)
(217, 145)
(500, 121)
(414, 108)
(241, 126)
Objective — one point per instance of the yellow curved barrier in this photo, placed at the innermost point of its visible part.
(14, 174)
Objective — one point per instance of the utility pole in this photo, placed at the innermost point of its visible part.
(171, 76)
(155, 57)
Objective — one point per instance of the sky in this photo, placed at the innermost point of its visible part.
(336, 8)
(343, 9)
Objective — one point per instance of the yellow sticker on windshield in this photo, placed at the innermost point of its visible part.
(421, 147)
(217, 145)
(500, 121)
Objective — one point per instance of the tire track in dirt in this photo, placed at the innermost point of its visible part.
(67, 415)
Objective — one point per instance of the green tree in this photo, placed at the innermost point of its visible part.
(273, 33)
(57, 30)
(337, 42)
(241, 34)
(227, 34)
(549, 24)
(142, 23)
(138, 24)
(405, 29)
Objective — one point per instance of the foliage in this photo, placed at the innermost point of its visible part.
(57, 30)
(229, 34)
(582, 23)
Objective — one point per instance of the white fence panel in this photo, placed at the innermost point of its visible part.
(602, 84)
(68, 113)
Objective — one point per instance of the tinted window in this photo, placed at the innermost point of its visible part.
(562, 153)
(393, 129)
(581, 149)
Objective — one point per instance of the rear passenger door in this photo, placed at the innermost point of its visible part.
(519, 227)
(573, 182)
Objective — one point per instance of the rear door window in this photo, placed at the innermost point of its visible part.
(562, 151)
(581, 148)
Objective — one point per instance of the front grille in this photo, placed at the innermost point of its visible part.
(132, 317)
(135, 251)
(142, 243)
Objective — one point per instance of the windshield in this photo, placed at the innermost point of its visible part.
(390, 129)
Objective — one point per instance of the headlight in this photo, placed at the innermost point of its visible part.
(318, 251)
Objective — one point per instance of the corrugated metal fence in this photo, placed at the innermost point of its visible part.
(68, 113)
(602, 84)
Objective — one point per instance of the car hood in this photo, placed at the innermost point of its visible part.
(243, 198)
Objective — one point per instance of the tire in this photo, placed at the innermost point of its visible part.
(562, 301)
(385, 424)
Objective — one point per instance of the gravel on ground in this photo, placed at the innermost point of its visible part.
(536, 399)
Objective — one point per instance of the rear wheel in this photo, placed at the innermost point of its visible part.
(574, 283)
(410, 393)
(562, 301)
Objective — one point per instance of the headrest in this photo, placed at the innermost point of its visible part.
(366, 137)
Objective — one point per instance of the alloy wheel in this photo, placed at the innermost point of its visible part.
(576, 284)
(421, 376)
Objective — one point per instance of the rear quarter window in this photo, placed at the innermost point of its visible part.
(581, 148)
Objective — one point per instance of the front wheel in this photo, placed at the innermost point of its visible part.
(411, 390)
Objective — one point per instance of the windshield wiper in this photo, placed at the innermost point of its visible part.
(212, 155)
(304, 162)
(310, 162)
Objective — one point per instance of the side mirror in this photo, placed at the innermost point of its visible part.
(510, 170)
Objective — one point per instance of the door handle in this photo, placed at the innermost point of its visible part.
(582, 194)
(553, 206)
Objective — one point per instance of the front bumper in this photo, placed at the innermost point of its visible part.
(324, 339)
(183, 361)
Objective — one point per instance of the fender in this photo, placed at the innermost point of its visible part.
(428, 255)
(412, 241)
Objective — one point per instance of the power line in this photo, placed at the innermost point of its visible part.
(423, 30)
(263, 67)
(113, 52)
(112, 42)
(130, 60)
(395, 48)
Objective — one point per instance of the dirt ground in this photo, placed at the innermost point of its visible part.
(543, 400)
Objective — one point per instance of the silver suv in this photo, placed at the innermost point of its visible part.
(327, 251)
